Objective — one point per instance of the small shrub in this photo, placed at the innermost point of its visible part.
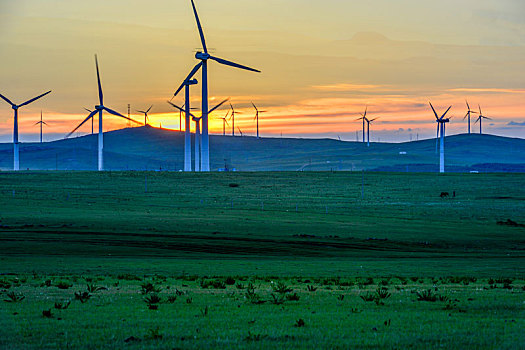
(14, 297)
(47, 283)
(62, 306)
(311, 288)
(92, 288)
(299, 323)
(63, 285)
(281, 288)
(171, 299)
(382, 293)
(153, 299)
(239, 285)
(47, 313)
(442, 298)
(277, 300)
(368, 297)
(148, 287)
(189, 300)
(129, 277)
(230, 281)
(426, 295)
(341, 297)
(5, 284)
(154, 334)
(215, 284)
(254, 337)
(204, 312)
(292, 297)
(82, 296)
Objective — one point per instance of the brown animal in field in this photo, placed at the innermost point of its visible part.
(444, 194)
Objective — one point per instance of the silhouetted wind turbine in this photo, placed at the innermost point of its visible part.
(480, 119)
(441, 132)
(257, 117)
(204, 57)
(224, 122)
(146, 114)
(99, 109)
(16, 150)
(469, 112)
(368, 122)
(240, 131)
(363, 117)
(233, 118)
(89, 110)
(41, 122)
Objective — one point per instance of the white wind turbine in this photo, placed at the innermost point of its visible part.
(368, 122)
(480, 119)
(257, 117)
(441, 122)
(16, 149)
(42, 123)
(233, 118)
(146, 114)
(224, 123)
(99, 109)
(469, 112)
(204, 57)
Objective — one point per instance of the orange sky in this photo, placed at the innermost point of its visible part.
(321, 64)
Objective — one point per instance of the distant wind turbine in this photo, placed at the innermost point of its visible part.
(41, 122)
(469, 112)
(16, 150)
(368, 122)
(146, 114)
(480, 119)
(187, 134)
(99, 109)
(224, 123)
(363, 117)
(240, 131)
(257, 117)
(204, 57)
(89, 111)
(441, 122)
(233, 118)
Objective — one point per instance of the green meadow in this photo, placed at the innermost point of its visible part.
(262, 260)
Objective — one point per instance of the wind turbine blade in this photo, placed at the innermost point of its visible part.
(89, 110)
(366, 109)
(480, 110)
(446, 112)
(433, 110)
(201, 33)
(466, 115)
(192, 73)
(85, 120)
(220, 104)
(149, 109)
(255, 107)
(45, 123)
(360, 118)
(179, 108)
(7, 100)
(33, 99)
(119, 115)
(226, 116)
(100, 95)
(467, 105)
(233, 64)
(141, 111)
(37, 123)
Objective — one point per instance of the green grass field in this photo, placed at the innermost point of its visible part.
(262, 260)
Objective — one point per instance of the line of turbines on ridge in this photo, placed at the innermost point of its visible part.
(202, 158)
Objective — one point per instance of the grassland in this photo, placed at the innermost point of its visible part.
(328, 238)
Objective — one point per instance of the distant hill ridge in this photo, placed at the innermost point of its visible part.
(148, 148)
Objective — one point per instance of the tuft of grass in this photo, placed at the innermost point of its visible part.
(62, 306)
(426, 295)
(47, 313)
(368, 297)
(215, 284)
(152, 300)
(14, 297)
(299, 323)
(311, 288)
(154, 334)
(254, 336)
(82, 296)
(171, 299)
(63, 284)
(293, 297)
(277, 300)
(204, 312)
(149, 287)
(92, 288)
(230, 281)
(281, 288)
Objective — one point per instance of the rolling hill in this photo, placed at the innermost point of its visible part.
(148, 148)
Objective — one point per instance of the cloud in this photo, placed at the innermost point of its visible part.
(489, 90)
(513, 123)
(345, 87)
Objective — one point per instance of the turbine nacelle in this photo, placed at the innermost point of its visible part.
(191, 82)
(202, 56)
(15, 107)
(99, 107)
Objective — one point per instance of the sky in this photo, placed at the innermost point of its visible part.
(322, 63)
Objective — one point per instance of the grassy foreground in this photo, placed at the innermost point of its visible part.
(263, 260)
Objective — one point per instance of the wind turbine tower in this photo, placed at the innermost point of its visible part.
(41, 122)
(99, 109)
(257, 117)
(469, 112)
(16, 147)
(145, 115)
(480, 119)
(363, 117)
(441, 122)
(204, 57)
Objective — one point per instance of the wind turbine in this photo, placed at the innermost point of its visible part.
(240, 131)
(146, 114)
(233, 118)
(469, 112)
(186, 83)
(99, 109)
(441, 122)
(364, 119)
(204, 57)
(41, 122)
(224, 122)
(257, 117)
(16, 150)
(368, 122)
(480, 118)
(89, 110)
